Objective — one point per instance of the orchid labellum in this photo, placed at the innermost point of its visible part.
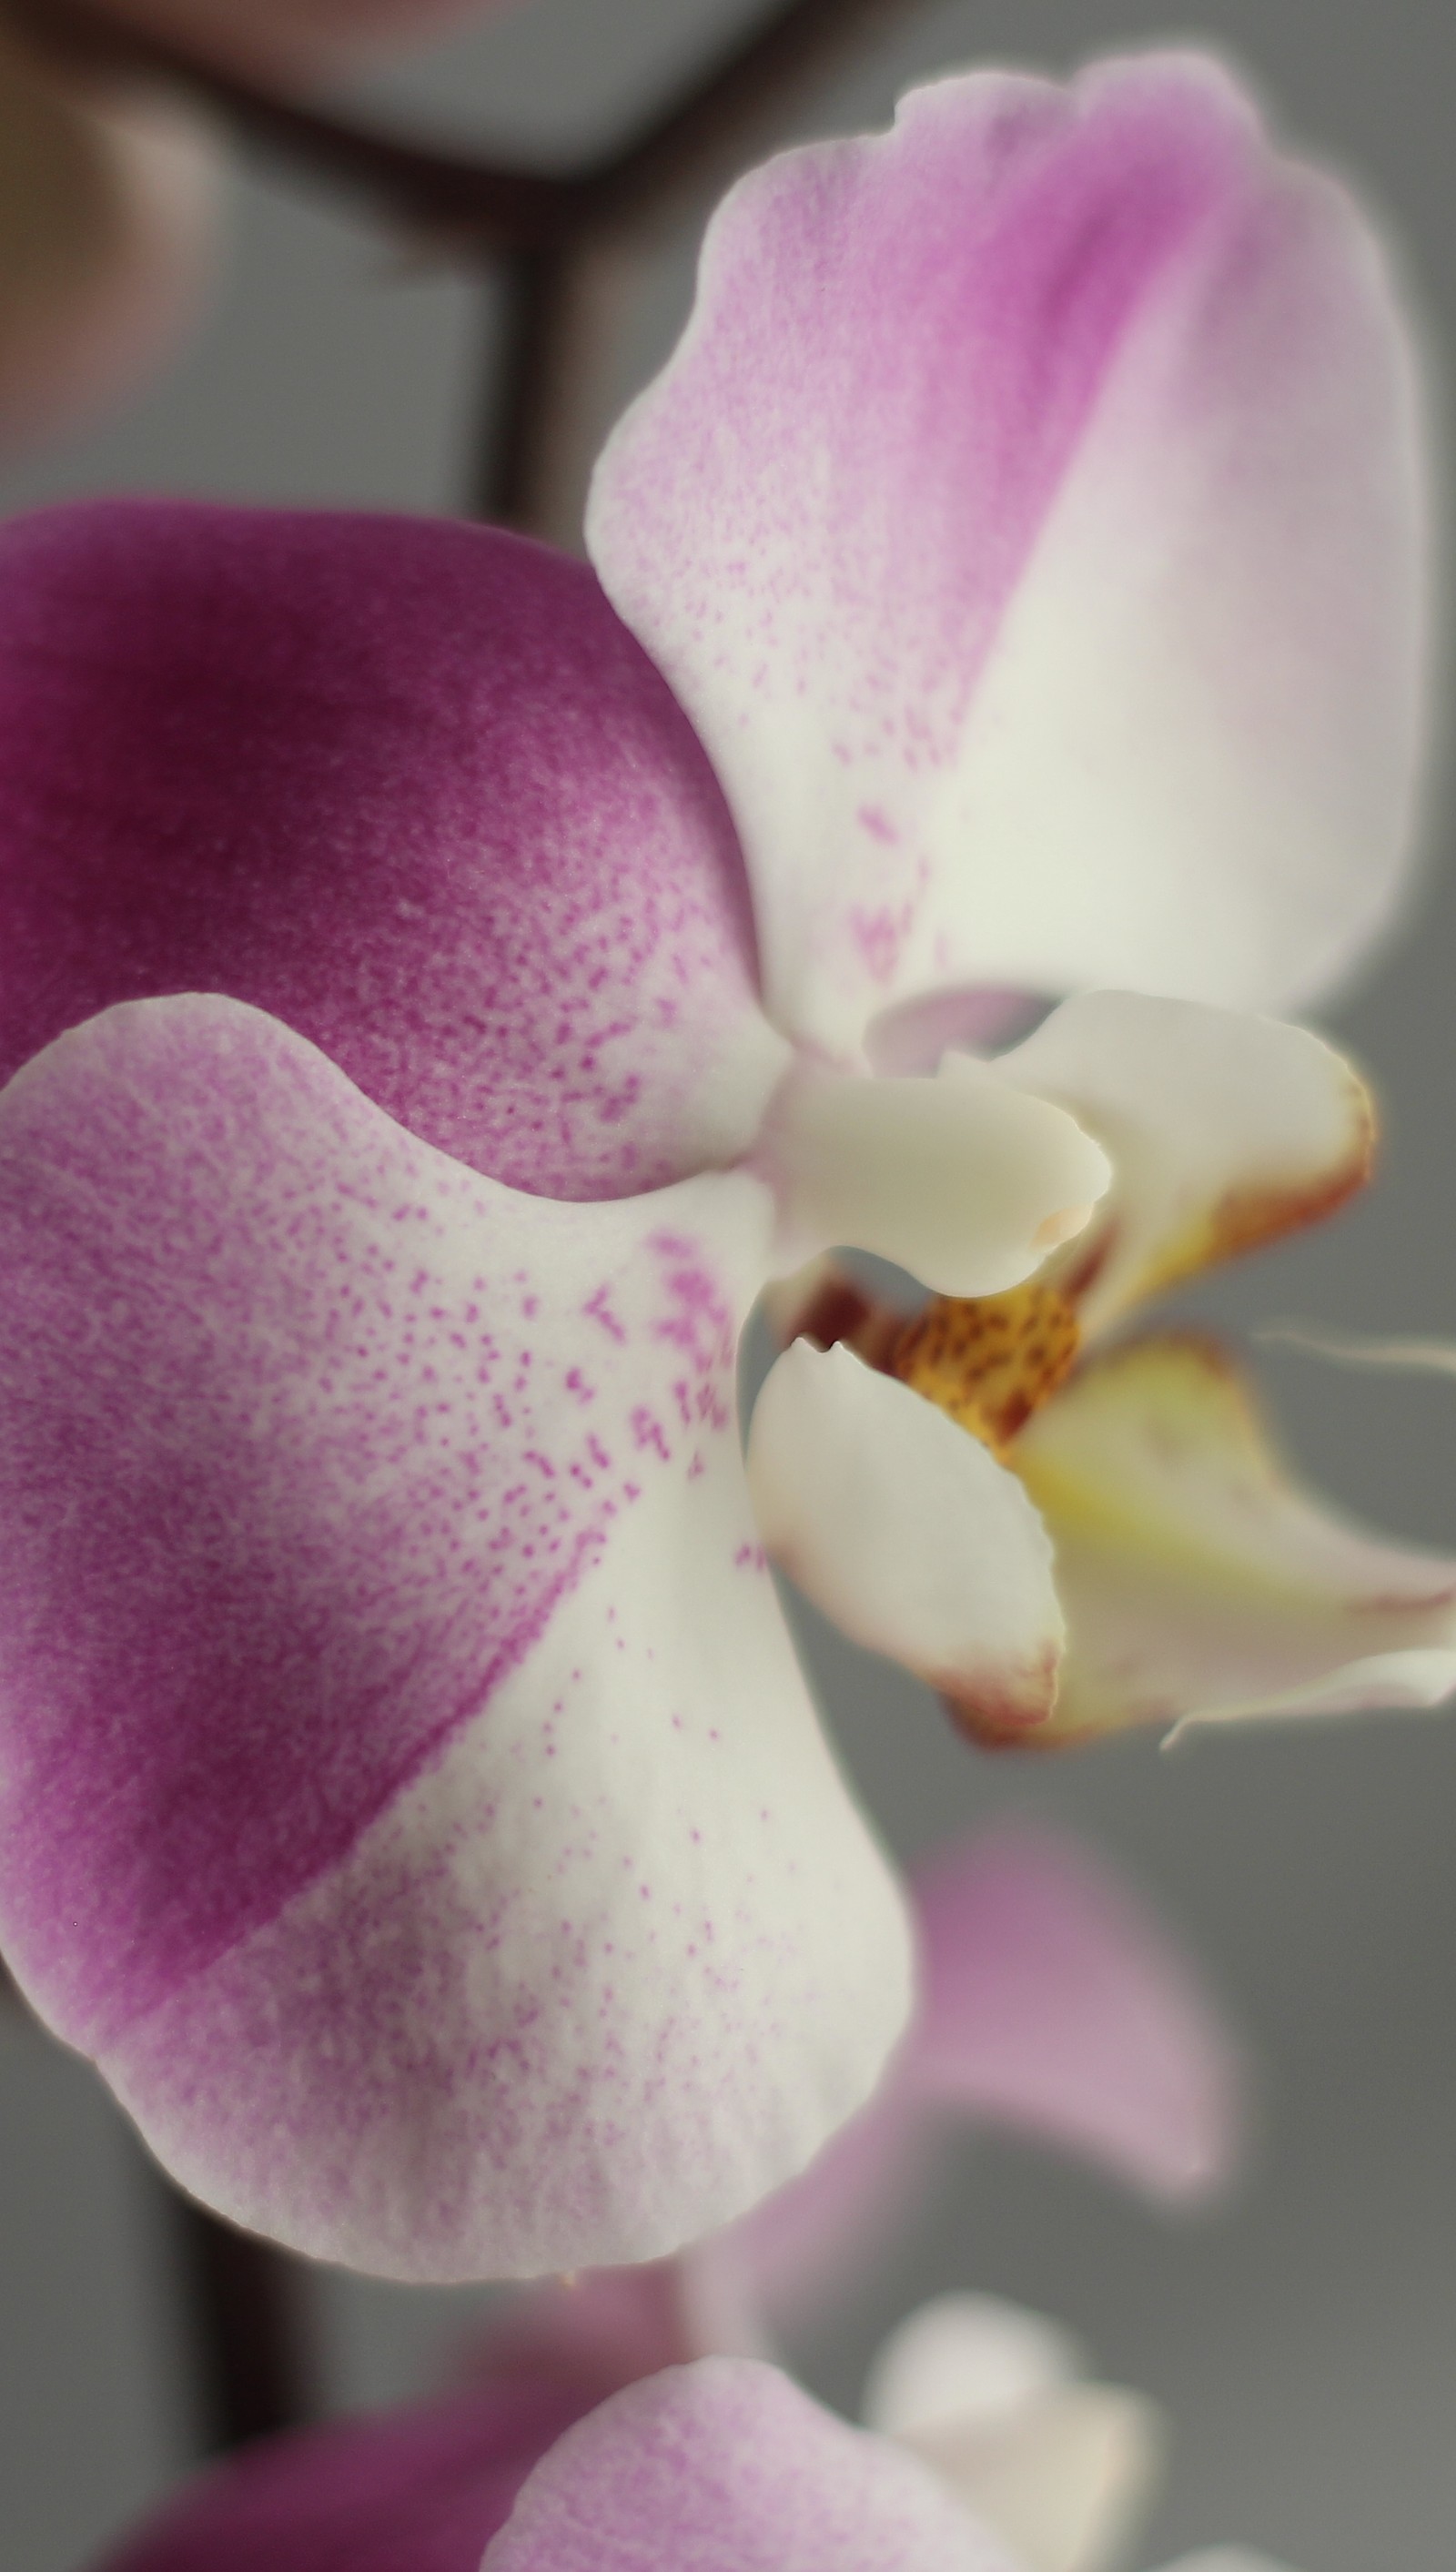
(444, 985)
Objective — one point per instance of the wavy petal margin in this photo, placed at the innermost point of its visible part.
(408, 1789)
(1032, 522)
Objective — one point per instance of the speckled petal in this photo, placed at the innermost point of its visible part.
(407, 1791)
(726, 2466)
(1196, 1578)
(410, 787)
(1224, 1131)
(1031, 522)
(106, 225)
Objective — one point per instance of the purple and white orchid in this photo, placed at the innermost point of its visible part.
(451, 986)
(1053, 2002)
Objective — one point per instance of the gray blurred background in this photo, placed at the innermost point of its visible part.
(1304, 2339)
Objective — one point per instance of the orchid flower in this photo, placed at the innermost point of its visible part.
(989, 2453)
(445, 987)
(1051, 2000)
(1171, 1569)
(1051, 2004)
(107, 196)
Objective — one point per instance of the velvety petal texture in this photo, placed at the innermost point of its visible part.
(1031, 522)
(106, 222)
(409, 785)
(727, 2467)
(1196, 1579)
(411, 1796)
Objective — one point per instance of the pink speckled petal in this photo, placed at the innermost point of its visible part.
(726, 2466)
(409, 785)
(1056, 2003)
(1030, 521)
(407, 1791)
(410, 2491)
(106, 225)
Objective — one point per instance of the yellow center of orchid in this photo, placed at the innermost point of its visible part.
(990, 1361)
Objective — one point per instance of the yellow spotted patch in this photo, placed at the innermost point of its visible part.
(989, 1362)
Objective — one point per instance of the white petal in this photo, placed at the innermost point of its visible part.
(905, 1529)
(964, 1180)
(1224, 1131)
(1197, 1579)
(964, 2358)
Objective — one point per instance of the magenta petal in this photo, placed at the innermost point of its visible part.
(727, 2467)
(1056, 2004)
(414, 2491)
(407, 786)
(408, 1789)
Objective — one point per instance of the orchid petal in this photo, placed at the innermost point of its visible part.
(1224, 1131)
(988, 2395)
(411, 788)
(906, 1532)
(1030, 521)
(966, 2357)
(937, 1175)
(726, 2466)
(1052, 2002)
(106, 221)
(412, 2491)
(1055, 2002)
(1196, 1579)
(408, 1793)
